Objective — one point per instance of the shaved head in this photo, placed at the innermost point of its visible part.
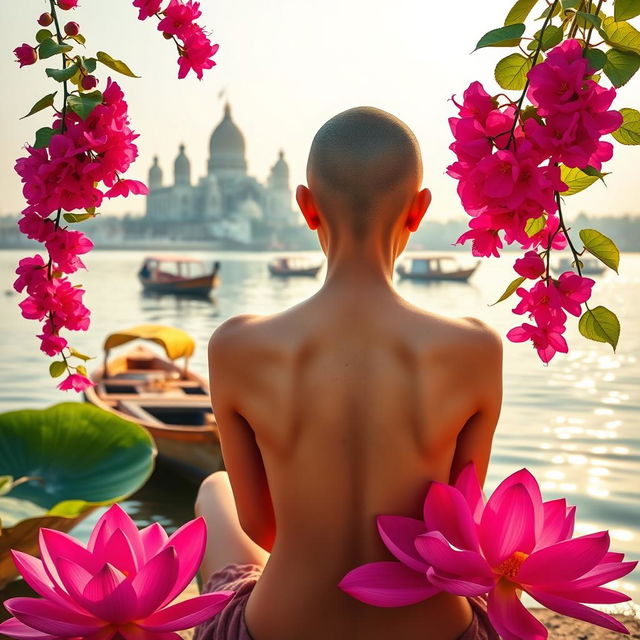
(363, 163)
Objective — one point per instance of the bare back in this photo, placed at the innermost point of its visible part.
(334, 412)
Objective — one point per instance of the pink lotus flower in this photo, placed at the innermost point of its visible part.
(119, 586)
(514, 541)
(26, 54)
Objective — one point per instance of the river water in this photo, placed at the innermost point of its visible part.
(575, 423)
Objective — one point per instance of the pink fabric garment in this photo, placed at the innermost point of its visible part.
(229, 624)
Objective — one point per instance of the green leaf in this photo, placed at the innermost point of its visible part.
(535, 225)
(601, 325)
(596, 58)
(89, 458)
(602, 247)
(43, 34)
(510, 289)
(84, 103)
(77, 354)
(570, 4)
(43, 137)
(626, 9)
(511, 72)
(519, 12)
(621, 66)
(62, 74)
(50, 47)
(79, 38)
(43, 103)
(551, 37)
(556, 10)
(575, 179)
(57, 368)
(78, 217)
(89, 64)
(503, 37)
(588, 19)
(620, 35)
(116, 65)
(629, 131)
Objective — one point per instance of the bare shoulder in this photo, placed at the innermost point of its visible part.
(483, 335)
(231, 335)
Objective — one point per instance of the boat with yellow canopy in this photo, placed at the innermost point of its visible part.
(170, 401)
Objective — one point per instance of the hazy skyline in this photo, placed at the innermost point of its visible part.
(286, 67)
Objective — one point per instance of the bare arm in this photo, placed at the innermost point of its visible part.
(475, 439)
(242, 456)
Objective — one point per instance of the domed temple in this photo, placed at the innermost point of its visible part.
(226, 203)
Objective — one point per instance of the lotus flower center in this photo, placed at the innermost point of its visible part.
(509, 568)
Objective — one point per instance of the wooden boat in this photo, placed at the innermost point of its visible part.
(178, 275)
(590, 266)
(293, 266)
(434, 268)
(172, 403)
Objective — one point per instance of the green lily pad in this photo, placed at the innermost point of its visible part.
(75, 457)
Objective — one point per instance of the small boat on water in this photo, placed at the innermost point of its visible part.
(590, 266)
(294, 266)
(434, 268)
(178, 275)
(171, 402)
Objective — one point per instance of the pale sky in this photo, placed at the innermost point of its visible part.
(288, 66)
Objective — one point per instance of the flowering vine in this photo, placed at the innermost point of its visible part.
(518, 160)
(77, 162)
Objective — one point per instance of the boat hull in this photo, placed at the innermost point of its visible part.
(311, 272)
(183, 428)
(457, 276)
(195, 287)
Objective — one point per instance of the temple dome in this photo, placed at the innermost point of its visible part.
(280, 172)
(155, 175)
(227, 146)
(182, 168)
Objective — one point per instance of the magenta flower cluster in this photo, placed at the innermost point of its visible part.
(469, 546)
(509, 179)
(178, 22)
(120, 586)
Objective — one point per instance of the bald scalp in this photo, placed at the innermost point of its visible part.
(360, 159)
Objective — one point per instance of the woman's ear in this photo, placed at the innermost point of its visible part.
(417, 209)
(308, 207)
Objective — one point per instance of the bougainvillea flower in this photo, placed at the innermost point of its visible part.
(531, 265)
(67, 4)
(120, 585)
(74, 381)
(547, 339)
(573, 290)
(514, 541)
(196, 54)
(147, 8)
(26, 54)
(542, 303)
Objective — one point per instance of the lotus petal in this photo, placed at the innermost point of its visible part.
(136, 633)
(399, 534)
(555, 523)
(567, 532)
(446, 510)
(590, 595)
(469, 587)
(525, 478)
(153, 539)
(507, 524)
(110, 596)
(188, 613)
(460, 563)
(189, 541)
(74, 578)
(600, 574)
(38, 579)
(154, 581)
(51, 618)
(16, 629)
(387, 584)
(469, 485)
(55, 545)
(114, 519)
(119, 552)
(576, 610)
(509, 616)
(565, 560)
